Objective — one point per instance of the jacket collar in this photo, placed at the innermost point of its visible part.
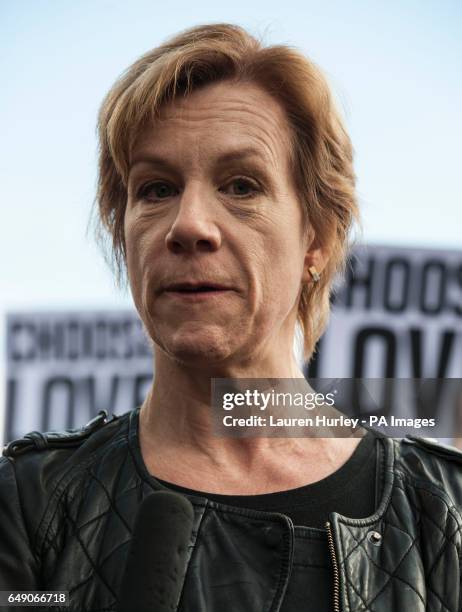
(388, 473)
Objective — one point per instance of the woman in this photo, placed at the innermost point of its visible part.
(227, 188)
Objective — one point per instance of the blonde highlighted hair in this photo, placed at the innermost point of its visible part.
(320, 157)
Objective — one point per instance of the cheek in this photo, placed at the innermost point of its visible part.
(139, 249)
(132, 253)
(282, 277)
(284, 259)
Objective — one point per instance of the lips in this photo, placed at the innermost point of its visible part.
(196, 287)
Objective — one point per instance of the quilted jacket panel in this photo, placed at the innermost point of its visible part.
(67, 514)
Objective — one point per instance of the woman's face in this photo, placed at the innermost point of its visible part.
(213, 228)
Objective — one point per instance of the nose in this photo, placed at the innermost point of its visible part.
(194, 228)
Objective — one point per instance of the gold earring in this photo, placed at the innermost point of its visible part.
(314, 273)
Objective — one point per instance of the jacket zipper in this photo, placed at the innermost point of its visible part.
(334, 567)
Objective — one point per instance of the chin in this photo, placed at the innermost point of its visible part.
(200, 347)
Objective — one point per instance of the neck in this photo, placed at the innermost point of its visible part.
(178, 444)
(178, 406)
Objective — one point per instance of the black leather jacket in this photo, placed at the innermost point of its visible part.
(68, 502)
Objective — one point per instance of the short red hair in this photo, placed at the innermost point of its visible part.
(321, 152)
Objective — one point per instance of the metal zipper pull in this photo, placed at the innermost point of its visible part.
(330, 540)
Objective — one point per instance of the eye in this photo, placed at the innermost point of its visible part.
(243, 188)
(156, 191)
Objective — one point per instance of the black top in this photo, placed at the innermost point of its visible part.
(350, 491)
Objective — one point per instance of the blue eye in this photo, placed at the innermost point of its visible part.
(245, 188)
(160, 189)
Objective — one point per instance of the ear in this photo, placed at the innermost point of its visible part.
(317, 256)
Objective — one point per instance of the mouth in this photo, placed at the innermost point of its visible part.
(196, 288)
(198, 291)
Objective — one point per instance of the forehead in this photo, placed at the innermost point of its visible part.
(215, 119)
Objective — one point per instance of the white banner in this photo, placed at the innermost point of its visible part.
(62, 368)
(398, 313)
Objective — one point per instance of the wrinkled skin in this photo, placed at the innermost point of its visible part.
(237, 221)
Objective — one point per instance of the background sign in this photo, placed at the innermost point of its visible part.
(62, 368)
(398, 313)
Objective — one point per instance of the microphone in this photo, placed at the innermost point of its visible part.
(156, 562)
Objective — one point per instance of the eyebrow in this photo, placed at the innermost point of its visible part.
(225, 158)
